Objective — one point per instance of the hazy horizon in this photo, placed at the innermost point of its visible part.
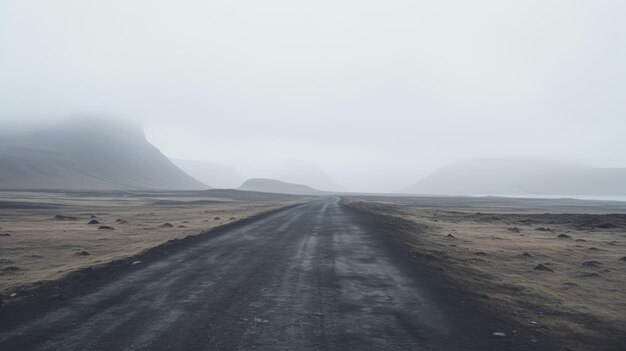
(378, 96)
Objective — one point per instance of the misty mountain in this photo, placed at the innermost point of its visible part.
(276, 186)
(213, 174)
(522, 177)
(304, 172)
(88, 154)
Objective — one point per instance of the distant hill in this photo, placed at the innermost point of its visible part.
(215, 175)
(276, 186)
(522, 177)
(88, 154)
(304, 172)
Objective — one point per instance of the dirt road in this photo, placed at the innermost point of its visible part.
(316, 276)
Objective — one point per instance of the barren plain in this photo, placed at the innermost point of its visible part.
(557, 267)
(46, 235)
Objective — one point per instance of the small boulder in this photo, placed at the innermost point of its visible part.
(480, 253)
(514, 229)
(498, 334)
(167, 225)
(121, 221)
(11, 269)
(541, 267)
(217, 218)
(588, 274)
(182, 226)
(232, 218)
(93, 216)
(105, 227)
(526, 254)
(451, 236)
(593, 264)
(623, 258)
(542, 229)
(93, 221)
(4, 234)
(606, 226)
(563, 236)
(83, 253)
(136, 262)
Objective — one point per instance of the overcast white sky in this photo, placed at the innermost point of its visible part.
(378, 93)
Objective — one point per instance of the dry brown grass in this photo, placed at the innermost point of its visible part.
(579, 305)
(36, 246)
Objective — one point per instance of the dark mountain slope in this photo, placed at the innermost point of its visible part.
(88, 154)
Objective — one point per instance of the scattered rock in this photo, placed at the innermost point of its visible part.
(499, 334)
(4, 234)
(526, 254)
(606, 226)
(11, 269)
(182, 226)
(594, 264)
(5, 261)
(83, 253)
(106, 227)
(136, 262)
(542, 229)
(167, 225)
(93, 221)
(514, 229)
(581, 240)
(589, 274)
(451, 236)
(232, 218)
(623, 258)
(217, 218)
(121, 221)
(64, 218)
(563, 236)
(541, 267)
